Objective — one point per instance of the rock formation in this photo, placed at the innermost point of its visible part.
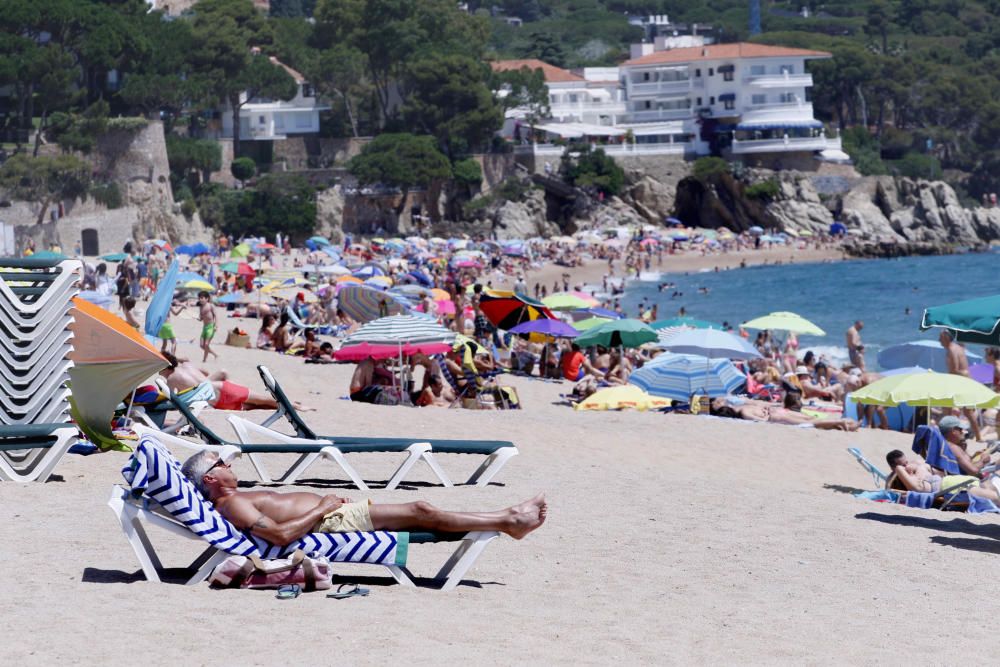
(522, 219)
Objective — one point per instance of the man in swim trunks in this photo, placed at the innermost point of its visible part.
(283, 518)
(855, 349)
(206, 313)
(184, 375)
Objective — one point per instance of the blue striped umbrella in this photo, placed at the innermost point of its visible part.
(364, 304)
(680, 376)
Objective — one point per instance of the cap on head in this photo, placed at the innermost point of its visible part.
(801, 370)
(949, 423)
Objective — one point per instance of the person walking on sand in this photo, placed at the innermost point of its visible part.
(958, 364)
(206, 314)
(855, 349)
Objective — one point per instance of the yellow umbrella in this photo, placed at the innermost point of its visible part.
(931, 389)
(242, 250)
(439, 294)
(785, 321)
(350, 279)
(199, 285)
(625, 396)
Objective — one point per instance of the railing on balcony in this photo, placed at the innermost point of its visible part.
(782, 111)
(619, 150)
(785, 144)
(660, 87)
(654, 115)
(779, 80)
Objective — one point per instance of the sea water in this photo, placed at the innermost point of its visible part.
(889, 295)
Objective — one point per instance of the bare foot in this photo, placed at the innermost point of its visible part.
(528, 516)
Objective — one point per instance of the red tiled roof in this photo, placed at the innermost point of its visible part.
(724, 52)
(551, 73)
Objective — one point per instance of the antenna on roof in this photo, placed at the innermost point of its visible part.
(755, 17)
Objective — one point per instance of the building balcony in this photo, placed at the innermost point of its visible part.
(657, 115)
(791, 111)
(582, 110)
(779, 81)
(785, 145)
(658, 88)
(619, 150)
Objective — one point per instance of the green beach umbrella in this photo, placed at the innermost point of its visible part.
(565, 301)
(971, 321)
(785, 321)
(590, 323)
(48, 254)
(617, 333)
(230, 267)
(684, 322)
(115, 257)
(932, 389)
(242, 250)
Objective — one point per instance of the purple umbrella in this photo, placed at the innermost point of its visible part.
(556, 328)
(982, 373)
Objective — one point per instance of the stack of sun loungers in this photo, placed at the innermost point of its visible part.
(35, 343)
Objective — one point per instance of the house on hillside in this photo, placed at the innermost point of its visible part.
(264, 119)
(588, 101)
(733, 99)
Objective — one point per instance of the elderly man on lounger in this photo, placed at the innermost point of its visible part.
(282, 518)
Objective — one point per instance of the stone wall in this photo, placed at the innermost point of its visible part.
(497, 167)
(310, 151)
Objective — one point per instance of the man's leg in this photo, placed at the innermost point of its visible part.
(971, 415)
(516, 521)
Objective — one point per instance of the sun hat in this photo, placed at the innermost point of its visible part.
(950, 422)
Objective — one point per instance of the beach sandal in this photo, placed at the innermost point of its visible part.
(288, 592)
(344, 592)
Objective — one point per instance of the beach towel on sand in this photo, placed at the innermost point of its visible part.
(153, 472)
(922, 501)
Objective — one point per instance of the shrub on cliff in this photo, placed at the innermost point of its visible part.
(705, 168)
(764, 191)
(243, 169)
(592, 168)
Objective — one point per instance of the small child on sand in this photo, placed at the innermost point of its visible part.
(166, 333)
(128, 305)
(206, 314)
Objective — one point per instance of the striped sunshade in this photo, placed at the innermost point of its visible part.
(364, 304)
(505, 309)
(680, 376)
(396, 335)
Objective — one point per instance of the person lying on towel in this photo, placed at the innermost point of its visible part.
(215, 387)
(283, 518)
(920, 477)
(763, 411)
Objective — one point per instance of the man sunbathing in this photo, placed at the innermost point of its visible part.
(183, 375)
(920, 477)
(283, 518)
(952, 430)
(763, 411)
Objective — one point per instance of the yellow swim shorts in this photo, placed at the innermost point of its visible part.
(347, 518)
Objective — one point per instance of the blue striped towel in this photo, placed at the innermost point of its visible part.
(154, 474)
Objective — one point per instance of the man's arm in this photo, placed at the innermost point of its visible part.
(911, 482)
(965, 462)
(243, 514)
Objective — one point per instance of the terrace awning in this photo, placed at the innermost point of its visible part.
(724, 97)
(577, 130)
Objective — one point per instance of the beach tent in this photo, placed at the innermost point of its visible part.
(110, 358)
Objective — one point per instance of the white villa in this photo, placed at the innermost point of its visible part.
(264, 119)
(731, 99)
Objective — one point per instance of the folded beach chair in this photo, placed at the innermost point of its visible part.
(159, 495)
(35, 343)
(497, 452)
(296, 321)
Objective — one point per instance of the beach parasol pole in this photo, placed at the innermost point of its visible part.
(131, 402)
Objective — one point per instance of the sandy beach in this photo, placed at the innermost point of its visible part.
(670, 539)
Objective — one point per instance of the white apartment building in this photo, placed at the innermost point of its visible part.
(739, 98)
(264, 119)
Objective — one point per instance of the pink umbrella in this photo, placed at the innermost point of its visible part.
(362, 351)
(446, 307)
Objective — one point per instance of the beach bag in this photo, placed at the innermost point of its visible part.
(311, 573)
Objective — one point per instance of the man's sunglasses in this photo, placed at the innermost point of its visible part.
(218, 463)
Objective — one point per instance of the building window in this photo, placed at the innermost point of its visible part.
(727, 75)
(711, 71)
(572, 98)
(729, 104)
(711, 100)
(648, 105)
(787, 69)
(699, 101)
(261, 120)
(757, 70)
(787, 98)
(645, 76)
(757, 100)
(697, 72)
(307, 90)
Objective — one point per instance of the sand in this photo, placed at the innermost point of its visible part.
(670, 539)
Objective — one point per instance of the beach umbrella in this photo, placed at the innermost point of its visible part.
(264, 246)
(603, 312)
(48, 254)
(710, 343)
(439, 294)
(785, 321)
(838, 228)
(159, 306)
(230, 267)
(689, 322)
(675, 222)
(931, 389)
(590, 323)
(348, 280)
(115, 257)
(617, 333)
(756, 230)
(379, 282)
(97, 298)
(982, 373)
(412, 291)
(199, 284)
(681, 376)
(110, 358)
(160, 243)
(368, 271)
(421, 278)
(566, 301)
(242, 250)
(238, 297)
(334, 270)
(924, 353)
(320, 241)
(970, 321)
(506, 309)
(396, 335)
(620, 397)
(553, 328)
(364, 304)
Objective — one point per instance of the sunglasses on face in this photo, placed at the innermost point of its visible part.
(215, 465)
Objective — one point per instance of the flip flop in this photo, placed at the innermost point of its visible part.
(355, 591)
(288, 592)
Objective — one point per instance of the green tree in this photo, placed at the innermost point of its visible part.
(525, 89)
(593, 168)
(243, 169)
(283, 203)
(403, 161)
(44, 180)
(449, 99)
(339, 72)
(193, 160)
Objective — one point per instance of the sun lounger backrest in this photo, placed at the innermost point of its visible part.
(301, 428)
(207, 434)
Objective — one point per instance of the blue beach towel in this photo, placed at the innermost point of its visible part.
(880, 496)
(922, 501)
(929, 443)
(979, 505)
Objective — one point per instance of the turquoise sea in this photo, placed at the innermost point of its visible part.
(832, 295)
